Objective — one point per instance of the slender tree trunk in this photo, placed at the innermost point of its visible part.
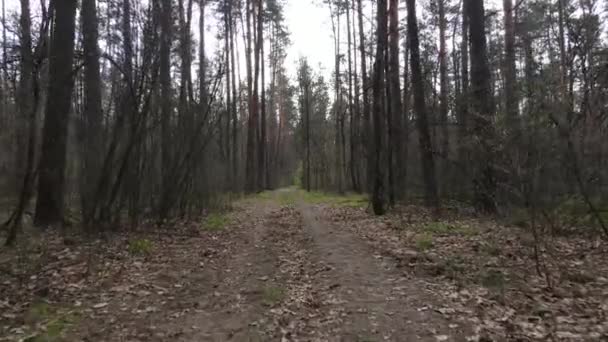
(51, 184)
(511, 100)
(262, 166)
(463, 108)
(443, 93)
(357, 116)
(367, 131)
(250, 167)
(396, 109)
(426, 153)
(234, 103)
(406, 114)
(351, 106)
(165, 94)
(379, 110)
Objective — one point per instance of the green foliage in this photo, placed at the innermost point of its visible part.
(215, 222)
(273, 295)
(140, 247)
(424, 241)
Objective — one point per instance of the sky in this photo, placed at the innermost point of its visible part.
(311, 37)
(308, 22)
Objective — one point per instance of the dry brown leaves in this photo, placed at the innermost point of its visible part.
(53, 284)
(487, 275)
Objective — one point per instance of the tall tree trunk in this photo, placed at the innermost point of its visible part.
(406, 114)
(202, 71)
(424, 136)
(51, 184)
(234, 103)
(396, 109)
(165, 94)
(511, 101)
(262, 167)
(351, 105)
(93, 114)
(27, 112)
(229, 99)
(357, 103)
(463, 101)
(443, 93)
(367, 131)
(250, 165)
(379, 109)
(483, 112)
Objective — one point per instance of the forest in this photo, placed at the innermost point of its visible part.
(170, 167)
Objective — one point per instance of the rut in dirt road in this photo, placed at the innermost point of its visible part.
(376, 301)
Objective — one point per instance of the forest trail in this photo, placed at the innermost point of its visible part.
(287, 275)
(288, 265)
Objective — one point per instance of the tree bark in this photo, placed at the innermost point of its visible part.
(443, 93)
(367, 132)
(396, 109)
(51, 184)
(483, 112)
(165, 93)
(93, 114)
(426, 153)
(379, 110)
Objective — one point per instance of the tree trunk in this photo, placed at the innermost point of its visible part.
(93, 114)
(483, 112)
(511, 101)
(250, 165)
(51, 184)
(396, 110)
(443, 94)
(367, 131)
(165, 93)
(426, 153)
(379, 110)
(262, 167)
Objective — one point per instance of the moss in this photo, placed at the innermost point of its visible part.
(140, 247)
(215, 222)
(54, 321)
(424, 241)
(273, 295)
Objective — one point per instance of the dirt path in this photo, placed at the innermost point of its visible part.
(285, 274)
(376, 300)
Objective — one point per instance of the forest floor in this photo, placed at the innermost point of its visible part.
(292, 266)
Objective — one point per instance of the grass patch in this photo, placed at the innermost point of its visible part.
(53, 320)
(346, 200)
(493, 279)
(273, 295)
(140, 247)
(424, 241)
(444, 228)
(215, 222)
(491, 249)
